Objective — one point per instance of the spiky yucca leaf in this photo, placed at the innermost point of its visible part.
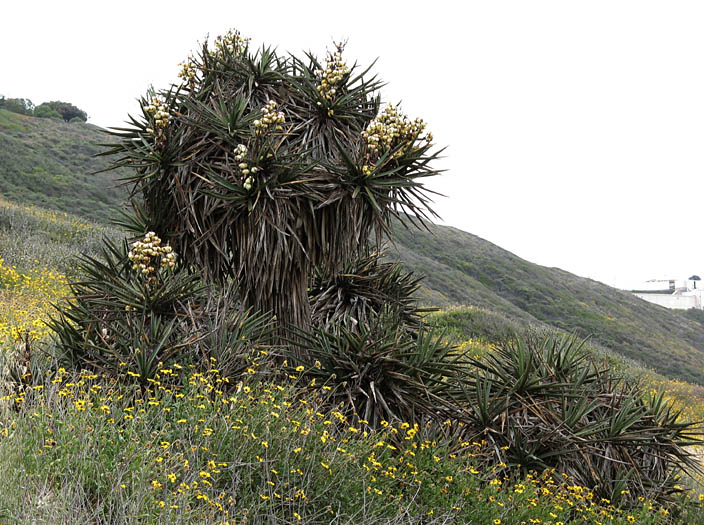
(381, 372)
(541, 403)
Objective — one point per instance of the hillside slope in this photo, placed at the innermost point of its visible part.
(462, 268)
(50, 163)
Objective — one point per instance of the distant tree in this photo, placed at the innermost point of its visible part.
(23, 106)
(46, 111)
(67, 110)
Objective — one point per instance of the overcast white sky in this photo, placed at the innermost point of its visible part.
(575, 130)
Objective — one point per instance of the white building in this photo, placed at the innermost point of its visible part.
(673, 293)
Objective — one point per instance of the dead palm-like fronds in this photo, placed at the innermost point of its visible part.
(260, 167)
(361, 291)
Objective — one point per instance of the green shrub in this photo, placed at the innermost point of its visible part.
(541, 403)
(384, 371)
(134, 313)
(18, 105)
(46, 111)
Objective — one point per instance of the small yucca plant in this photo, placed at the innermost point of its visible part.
(542, 403)
(135, 312)
(361, 291)
(381, 371)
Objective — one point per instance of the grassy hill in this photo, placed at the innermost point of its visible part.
(462, 268)
(50, 163)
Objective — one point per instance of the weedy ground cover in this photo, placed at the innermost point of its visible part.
(191, 450)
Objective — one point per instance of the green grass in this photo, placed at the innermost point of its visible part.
(463, 269)
(32, 237)
(50, 163)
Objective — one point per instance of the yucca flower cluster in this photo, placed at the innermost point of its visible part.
(332, 75)
(188, 72)
(231, 43)
(159, 110)
(240, 156)
(392, 128)
(271, 117)
(146, 254)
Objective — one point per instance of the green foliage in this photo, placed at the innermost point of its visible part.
(66, 110)
(128, 324)
(23, 106)
(541, 403)
(383, 370)
(261, 167)
(48, 163)
(54, 109)
(46, 111)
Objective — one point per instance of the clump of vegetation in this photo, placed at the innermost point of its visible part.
(362, 289)
(269, 181)
(54, 109)
(82, 447)
(542, 403)
(384, 372)
(135, 311)
(262, 168)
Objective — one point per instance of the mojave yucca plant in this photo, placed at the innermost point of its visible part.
(383, 370)
(260, 167)
(361, 290)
